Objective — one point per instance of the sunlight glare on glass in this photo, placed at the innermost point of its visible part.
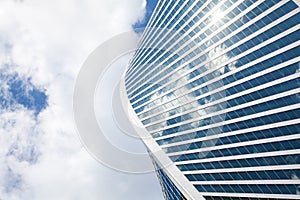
(217, 16)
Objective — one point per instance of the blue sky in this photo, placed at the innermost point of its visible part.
(42, 46)
(149, 9)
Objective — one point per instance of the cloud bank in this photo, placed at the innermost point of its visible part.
(42, 46)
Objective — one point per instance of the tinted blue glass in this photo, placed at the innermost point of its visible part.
(285, 22)
(289, 23)
(268, 105)
(250, 175)
(261, 66)
(170, 190)
(250, 149)
(238, 163)
(260, 188)
(159, 37)
(268, 119)
(255, 135)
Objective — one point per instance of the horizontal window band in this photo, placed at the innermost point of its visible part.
(244, 169)
(248, 182)
(232, 133)
(234, 145)
(252, 195)
(237, 157)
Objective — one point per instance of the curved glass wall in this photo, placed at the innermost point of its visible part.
(219, 93)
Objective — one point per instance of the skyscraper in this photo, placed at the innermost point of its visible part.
(215, 84)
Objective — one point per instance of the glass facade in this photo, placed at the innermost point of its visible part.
(169, 189)
(219, 93)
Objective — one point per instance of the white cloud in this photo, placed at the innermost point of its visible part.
(50, 40)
